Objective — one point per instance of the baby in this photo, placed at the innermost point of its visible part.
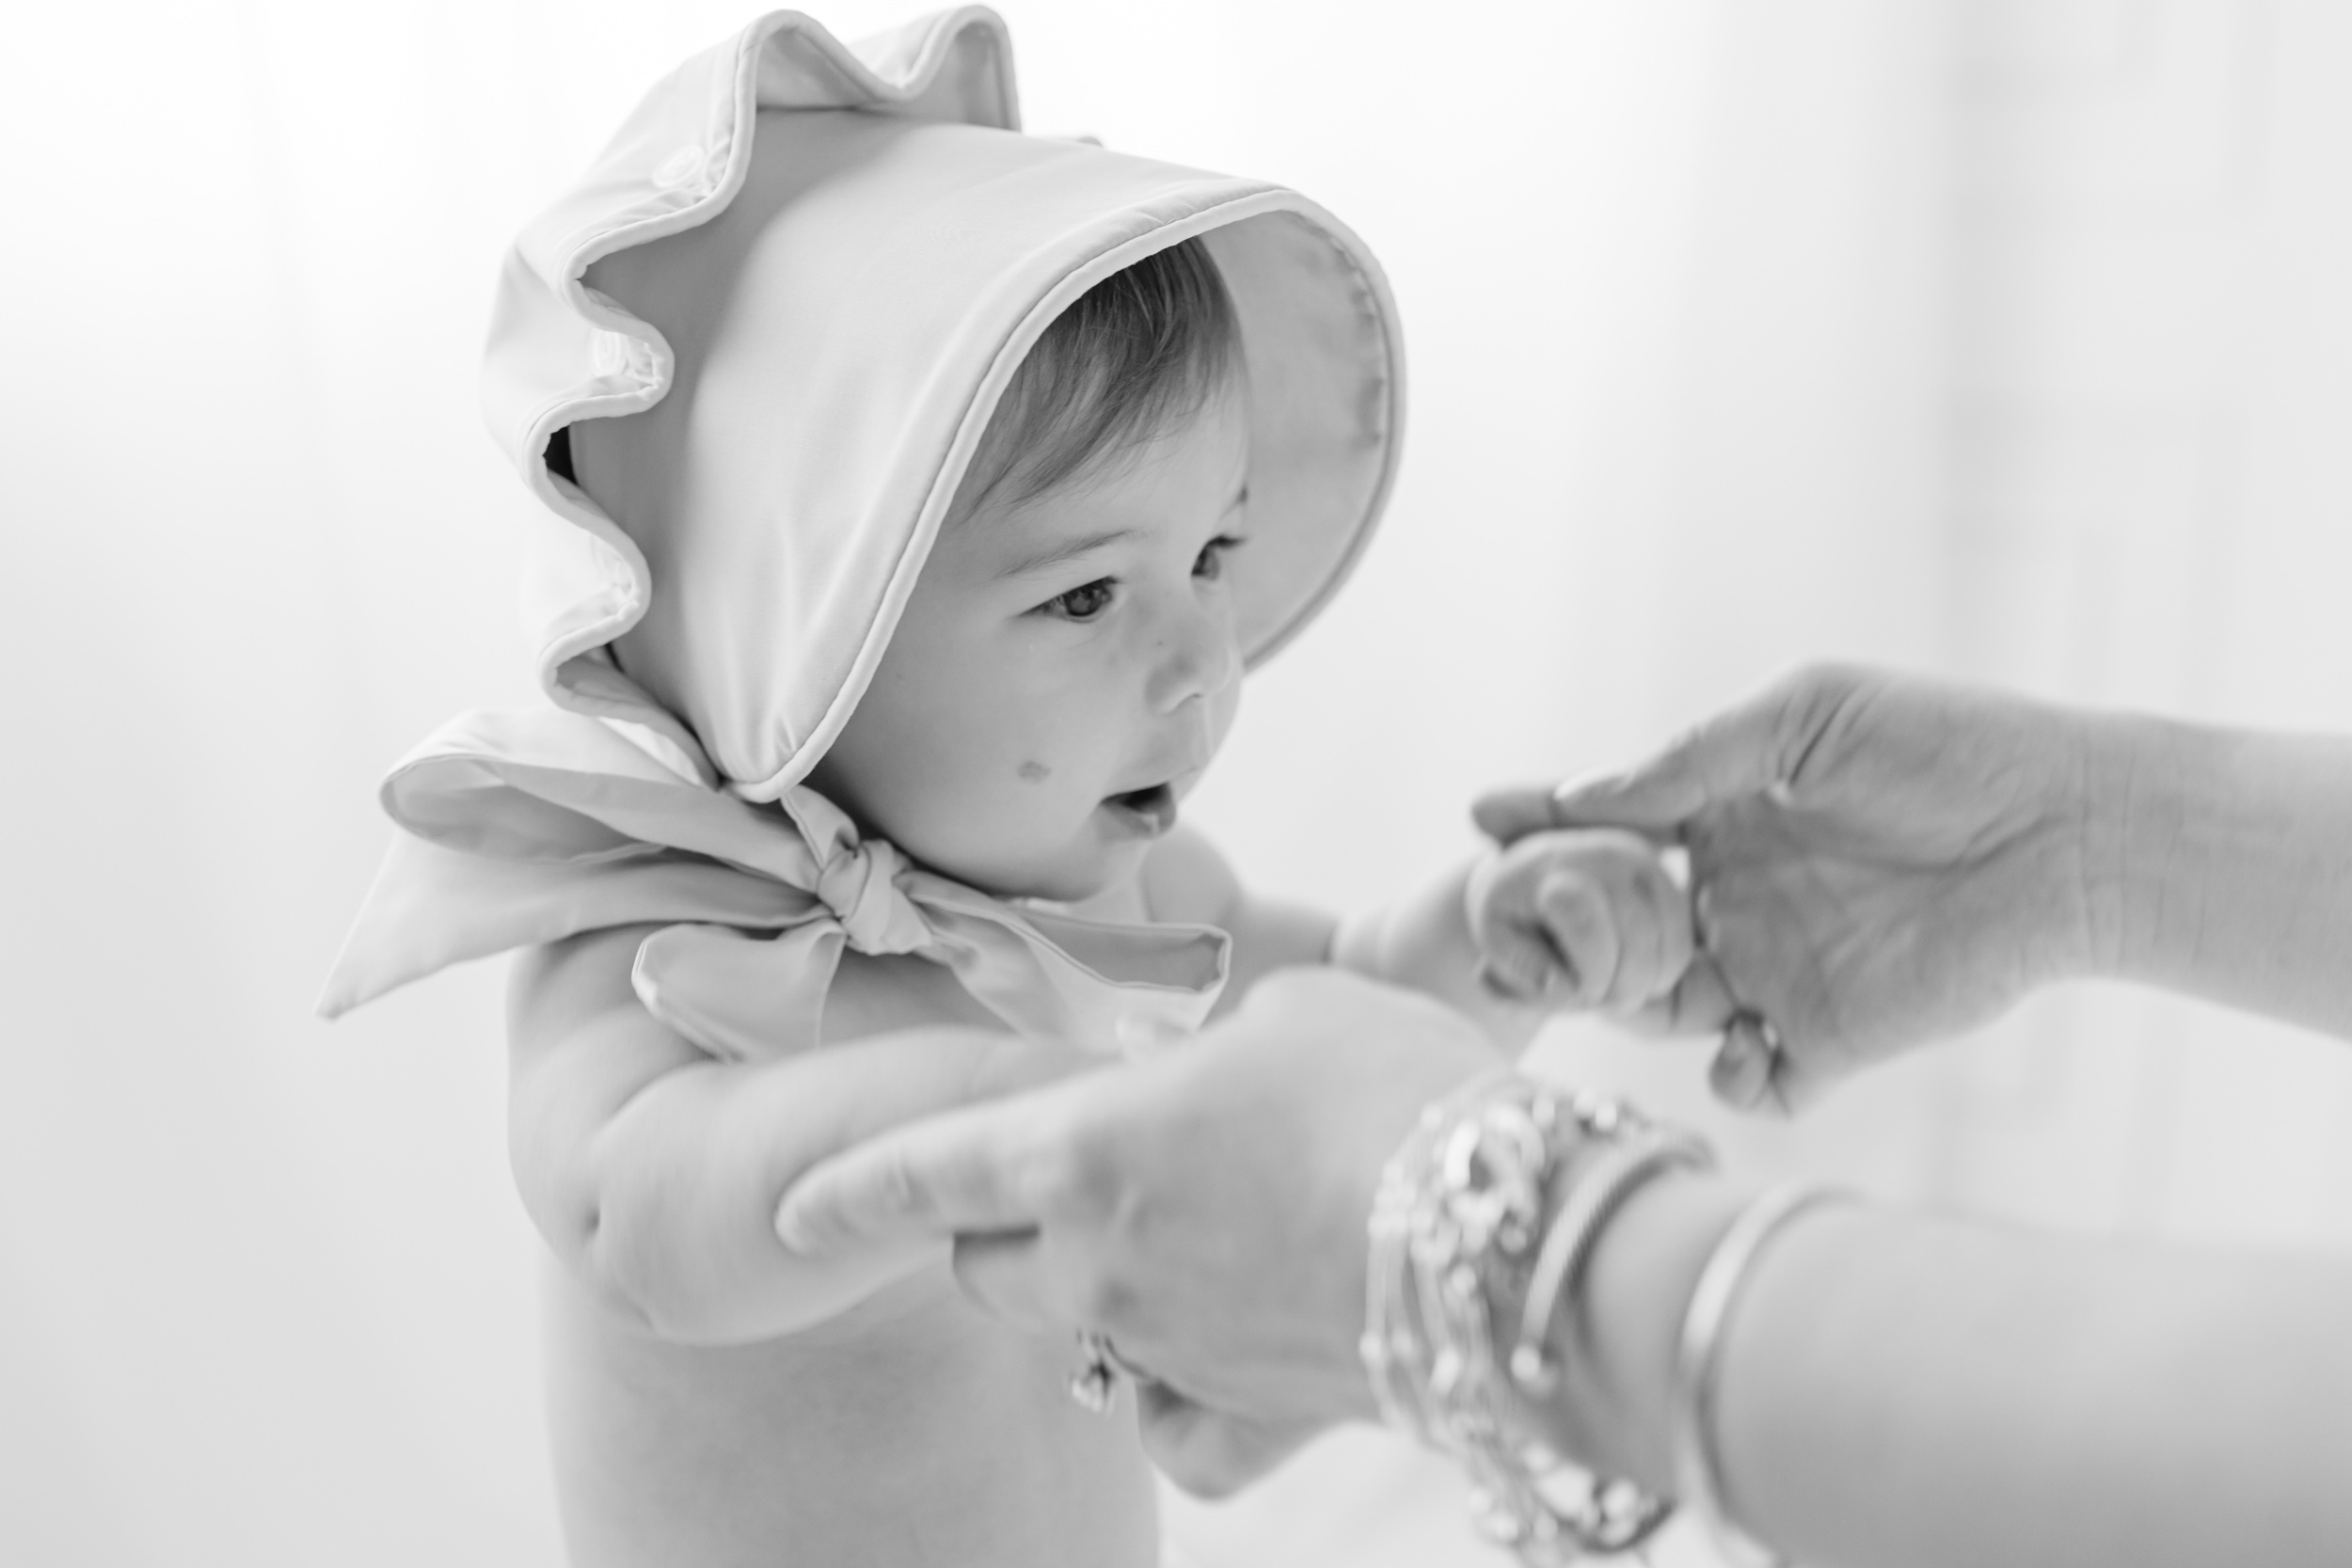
(926, 493)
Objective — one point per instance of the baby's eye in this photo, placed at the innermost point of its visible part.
(1209, 564)
(1084, 603)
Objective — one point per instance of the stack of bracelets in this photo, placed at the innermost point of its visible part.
(1495, 1200)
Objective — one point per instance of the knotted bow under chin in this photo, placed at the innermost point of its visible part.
(528, 826)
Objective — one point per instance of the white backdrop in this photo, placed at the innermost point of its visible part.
(2010, 337)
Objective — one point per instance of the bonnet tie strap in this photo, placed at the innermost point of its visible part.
(860, 885)
(522, 827)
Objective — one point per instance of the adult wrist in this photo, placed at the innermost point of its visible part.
(2112, 768)
(1644, 1268)
(2155, 788)
(2127, 799)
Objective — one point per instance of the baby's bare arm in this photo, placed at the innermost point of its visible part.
(1560, 920)
(1188, 880)
(1557, 922)
(1423, 942)
(653, 1169)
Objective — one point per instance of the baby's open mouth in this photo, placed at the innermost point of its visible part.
(1150, 811)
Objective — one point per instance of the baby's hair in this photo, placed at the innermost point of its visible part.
(1139, 353)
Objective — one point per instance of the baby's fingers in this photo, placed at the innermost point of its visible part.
(1581, 931)
(1525, 964)
(1629, 933)
(1700, 1003)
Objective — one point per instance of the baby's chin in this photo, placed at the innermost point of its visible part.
(1073, 876)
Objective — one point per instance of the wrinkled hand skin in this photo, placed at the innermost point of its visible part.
(1205, 1207)
(1215, 1222)
(1877, 862)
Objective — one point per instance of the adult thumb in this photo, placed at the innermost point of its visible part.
(1506, 816)
(1744, 750)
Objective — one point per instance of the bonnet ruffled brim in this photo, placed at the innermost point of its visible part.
(1318, 327)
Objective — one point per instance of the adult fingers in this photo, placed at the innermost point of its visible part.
(1726, 759)
(1750, 748)
(1742, 1073)
(1672, 930)
(1008, 1274)
(1751, 1069)
(1507, 815)
(978, 1168)
(1754, 1071)
(1208, 1452)
(1700, 1003)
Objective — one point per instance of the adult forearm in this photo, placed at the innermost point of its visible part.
(1901, 1391)
(2228, 868)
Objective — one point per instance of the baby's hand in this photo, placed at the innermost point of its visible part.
(1582, 918)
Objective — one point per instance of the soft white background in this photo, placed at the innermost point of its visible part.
(2007, 338)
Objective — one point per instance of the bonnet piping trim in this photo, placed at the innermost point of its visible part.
(918, 59)
(1221, 212)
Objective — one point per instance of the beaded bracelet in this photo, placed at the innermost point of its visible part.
(1456, 1232)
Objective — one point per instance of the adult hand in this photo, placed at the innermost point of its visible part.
(1879, 861)
(1205, 1208)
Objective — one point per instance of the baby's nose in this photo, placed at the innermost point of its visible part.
(1198, 657)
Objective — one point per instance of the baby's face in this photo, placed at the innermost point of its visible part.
(1065, 670)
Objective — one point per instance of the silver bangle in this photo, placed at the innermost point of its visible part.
(1698, 1364)
(1592, 1200)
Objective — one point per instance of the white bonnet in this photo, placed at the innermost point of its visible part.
(805, 271)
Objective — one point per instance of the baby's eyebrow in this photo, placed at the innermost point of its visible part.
(1061, 550)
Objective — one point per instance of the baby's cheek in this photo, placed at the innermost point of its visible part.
(1224, 707)
(1030, 786)
(1049, 742)
(1024, 804)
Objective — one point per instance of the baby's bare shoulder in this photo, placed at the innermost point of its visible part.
(557, 988)
(1187, 882)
